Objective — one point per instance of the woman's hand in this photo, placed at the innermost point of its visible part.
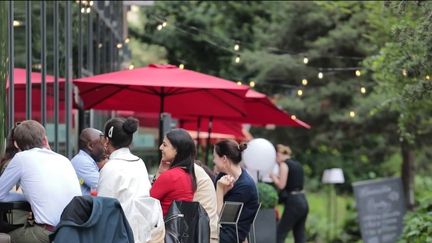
(225, 183)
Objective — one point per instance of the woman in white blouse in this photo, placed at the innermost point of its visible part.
(125, 177)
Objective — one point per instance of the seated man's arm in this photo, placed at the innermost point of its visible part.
(88, 172)
(8, 180)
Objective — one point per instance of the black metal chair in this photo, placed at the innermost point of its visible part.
(230, 214)
(252, 236)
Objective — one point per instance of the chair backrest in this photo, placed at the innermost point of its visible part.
(252, 236)
(230, 213)
(256, 214)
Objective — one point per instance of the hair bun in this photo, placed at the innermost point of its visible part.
(130, 125)
(242, 146)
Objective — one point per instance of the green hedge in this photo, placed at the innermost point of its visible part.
(267, 195)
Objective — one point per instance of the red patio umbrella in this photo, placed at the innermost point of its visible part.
(230, 129)
(163, 88)
(36, 79)
(260, 110)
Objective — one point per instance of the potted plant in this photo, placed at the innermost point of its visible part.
(265, 223)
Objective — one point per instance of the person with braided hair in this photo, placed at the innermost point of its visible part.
(125, 177)
(234, 184)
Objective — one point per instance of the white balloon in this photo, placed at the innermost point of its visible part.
(260, 155)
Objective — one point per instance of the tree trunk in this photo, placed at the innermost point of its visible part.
(408, 173)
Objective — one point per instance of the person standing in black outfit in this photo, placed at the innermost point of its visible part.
(290, 180)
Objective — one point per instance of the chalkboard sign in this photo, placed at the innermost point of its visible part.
(381, 207)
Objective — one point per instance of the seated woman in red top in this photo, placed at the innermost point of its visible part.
(176, 180)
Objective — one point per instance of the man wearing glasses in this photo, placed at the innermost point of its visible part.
(47, 179)
(89, 159)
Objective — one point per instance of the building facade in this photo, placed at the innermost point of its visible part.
(52, 43)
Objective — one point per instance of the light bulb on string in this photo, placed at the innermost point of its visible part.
(320, 75)
(252, 84)
(181, 66)
(134, 8)
(304, 82)
(404, 72)
(119, 45)
(91, 3)
(236, 47)
(164, 24)
(159, 27)
(237, 59)
(82, 10)
(363, 90)
(88, 10)
(299, 92)
(305, 60)
(358, 73)
(427, 77)
(239, 83)
(352, 114)
(100, 45)
(127, 40)
(17, 23)
(131, 67)
(293, 117)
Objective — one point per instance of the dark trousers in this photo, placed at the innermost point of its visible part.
(293, 217)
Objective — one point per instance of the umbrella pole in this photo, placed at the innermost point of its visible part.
(210, 125)
(198, 133)
(161, 122)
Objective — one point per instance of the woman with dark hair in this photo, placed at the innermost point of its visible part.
(236, 185)
(175, 179)
(125, 177)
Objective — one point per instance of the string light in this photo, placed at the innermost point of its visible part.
(304, 82)
(239, 83)
(252, 84)
(237, 59)
(131, 67)
(159, 27)
(363, 90)
(293, 117)
(352, 114)
(164, 24)
(134, 8)
(127, 40)
(82, 10)
(119, 45)
(404, 72)
(299, 92)
(427, 77)
(305, 60)
(320, 75)
(100, 45)
(236, 47)
(88, 10)
(91, 3)
(181, 66)
(357, 73)
(17, 23)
